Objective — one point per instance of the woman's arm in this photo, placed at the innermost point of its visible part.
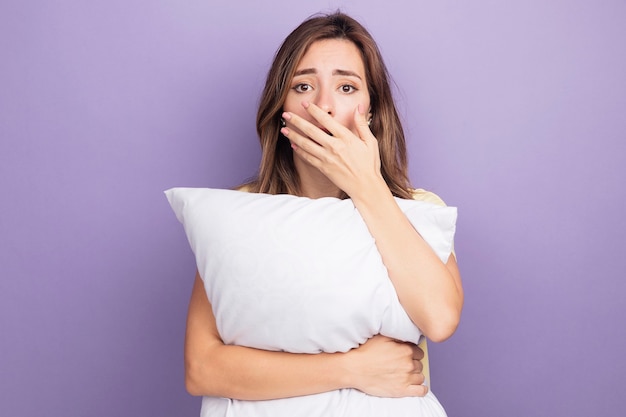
(380, 367)
(429, 290)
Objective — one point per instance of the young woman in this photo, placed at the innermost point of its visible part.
(328, 127)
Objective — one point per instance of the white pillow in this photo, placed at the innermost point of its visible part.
(297, 274)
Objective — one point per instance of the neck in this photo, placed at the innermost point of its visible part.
(313, 183)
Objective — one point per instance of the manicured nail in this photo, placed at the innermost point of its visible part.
(305, 104)
(284, 131)
(286, 116)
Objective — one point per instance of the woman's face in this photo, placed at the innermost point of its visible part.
(330, 75)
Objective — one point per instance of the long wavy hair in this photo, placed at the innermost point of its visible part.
(277, 173)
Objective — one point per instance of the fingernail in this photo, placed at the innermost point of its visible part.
(284, 131)
(305, 104)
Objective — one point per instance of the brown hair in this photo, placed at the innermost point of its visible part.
(277, 173)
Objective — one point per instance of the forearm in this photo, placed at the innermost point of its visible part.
(215, 369)
(429, 290)
(251, 374)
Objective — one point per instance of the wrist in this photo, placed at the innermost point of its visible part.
(375, 196)
(373, 193)
(343, 366)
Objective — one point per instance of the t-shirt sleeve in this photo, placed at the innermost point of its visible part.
(420, 194)
(427, 196)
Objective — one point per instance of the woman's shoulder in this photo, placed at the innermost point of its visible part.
(245, 188)
(423, 195)
(250, 186)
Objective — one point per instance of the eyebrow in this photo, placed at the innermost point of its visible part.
(345, 73)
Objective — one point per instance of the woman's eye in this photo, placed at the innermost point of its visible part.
(347, 88)
(302, 88)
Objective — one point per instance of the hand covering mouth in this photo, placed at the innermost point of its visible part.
(323, 129)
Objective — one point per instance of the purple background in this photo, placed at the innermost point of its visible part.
(516, 113)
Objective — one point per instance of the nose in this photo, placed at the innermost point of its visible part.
(324, 100)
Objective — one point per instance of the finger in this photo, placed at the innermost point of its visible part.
(337, 129)
(360, 121)
(305, 146)
(418, 353)
(417, 390)
(418, 366)
(417, 378)
(308, 129)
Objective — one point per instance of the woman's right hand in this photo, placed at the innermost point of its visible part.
(384, 367)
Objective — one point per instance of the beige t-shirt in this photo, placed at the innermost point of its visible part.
(423, 195)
